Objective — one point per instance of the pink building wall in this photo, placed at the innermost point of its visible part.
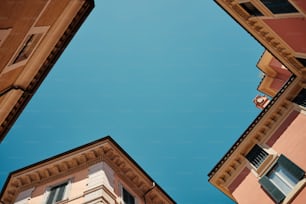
(250, 192)
(78, 185)
(301, 4)
(292, 142)
(289, 139)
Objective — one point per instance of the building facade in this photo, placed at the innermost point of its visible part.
(33, 34)
(274, 74)
(98, 172)
(267, 164)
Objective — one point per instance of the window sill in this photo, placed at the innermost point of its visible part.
(266, 165)
(299, 186)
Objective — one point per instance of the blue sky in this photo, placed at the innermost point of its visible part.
(172, 81)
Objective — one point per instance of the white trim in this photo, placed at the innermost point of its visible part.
(297, 188)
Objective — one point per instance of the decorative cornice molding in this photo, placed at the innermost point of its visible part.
(265, 35)
(67, 163)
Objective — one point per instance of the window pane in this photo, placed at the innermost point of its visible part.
(279, 6)
(51, 196)
(56, 193)
(282, 179)
(283, 173)
(60, 194)
(251, 9)
(127, 197)
(279, 183)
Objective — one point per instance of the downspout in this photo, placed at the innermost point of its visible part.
(13, 87)
(150, 189)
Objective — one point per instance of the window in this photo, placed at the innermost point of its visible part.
(27, 48)
(302, 61)
(279, 6)
(300, 99)
(251, 9)
(256, 156)
(281, 179)
(127, 197)
(57, 193)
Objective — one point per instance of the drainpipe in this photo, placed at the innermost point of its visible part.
(150, 189)
(13, 87)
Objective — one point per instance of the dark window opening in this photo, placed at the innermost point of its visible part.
(302, 61)
(251, 9)
(300, 99)
(127, 197)
(27, 48)
(279, 6)
(256, 156)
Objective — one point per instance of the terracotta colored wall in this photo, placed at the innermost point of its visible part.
(250, 192)
(291, 30)
(301, 5)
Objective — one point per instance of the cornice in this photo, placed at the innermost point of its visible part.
(233, 162)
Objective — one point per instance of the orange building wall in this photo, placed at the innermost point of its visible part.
(291, 30)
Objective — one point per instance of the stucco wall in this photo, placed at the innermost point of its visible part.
(78, 185)
(250, 192)
(291, 30)
(292, 141)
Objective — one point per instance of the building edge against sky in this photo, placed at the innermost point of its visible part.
(100, 171)
(33, 35)
(269, 157)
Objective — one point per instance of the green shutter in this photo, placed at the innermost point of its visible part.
(51, 196)
(269, 187)
(61, 190)
(292, 168)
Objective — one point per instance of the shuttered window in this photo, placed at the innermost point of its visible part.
(57, 193)
(257, 156)
(279, 6)
(281, 179)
